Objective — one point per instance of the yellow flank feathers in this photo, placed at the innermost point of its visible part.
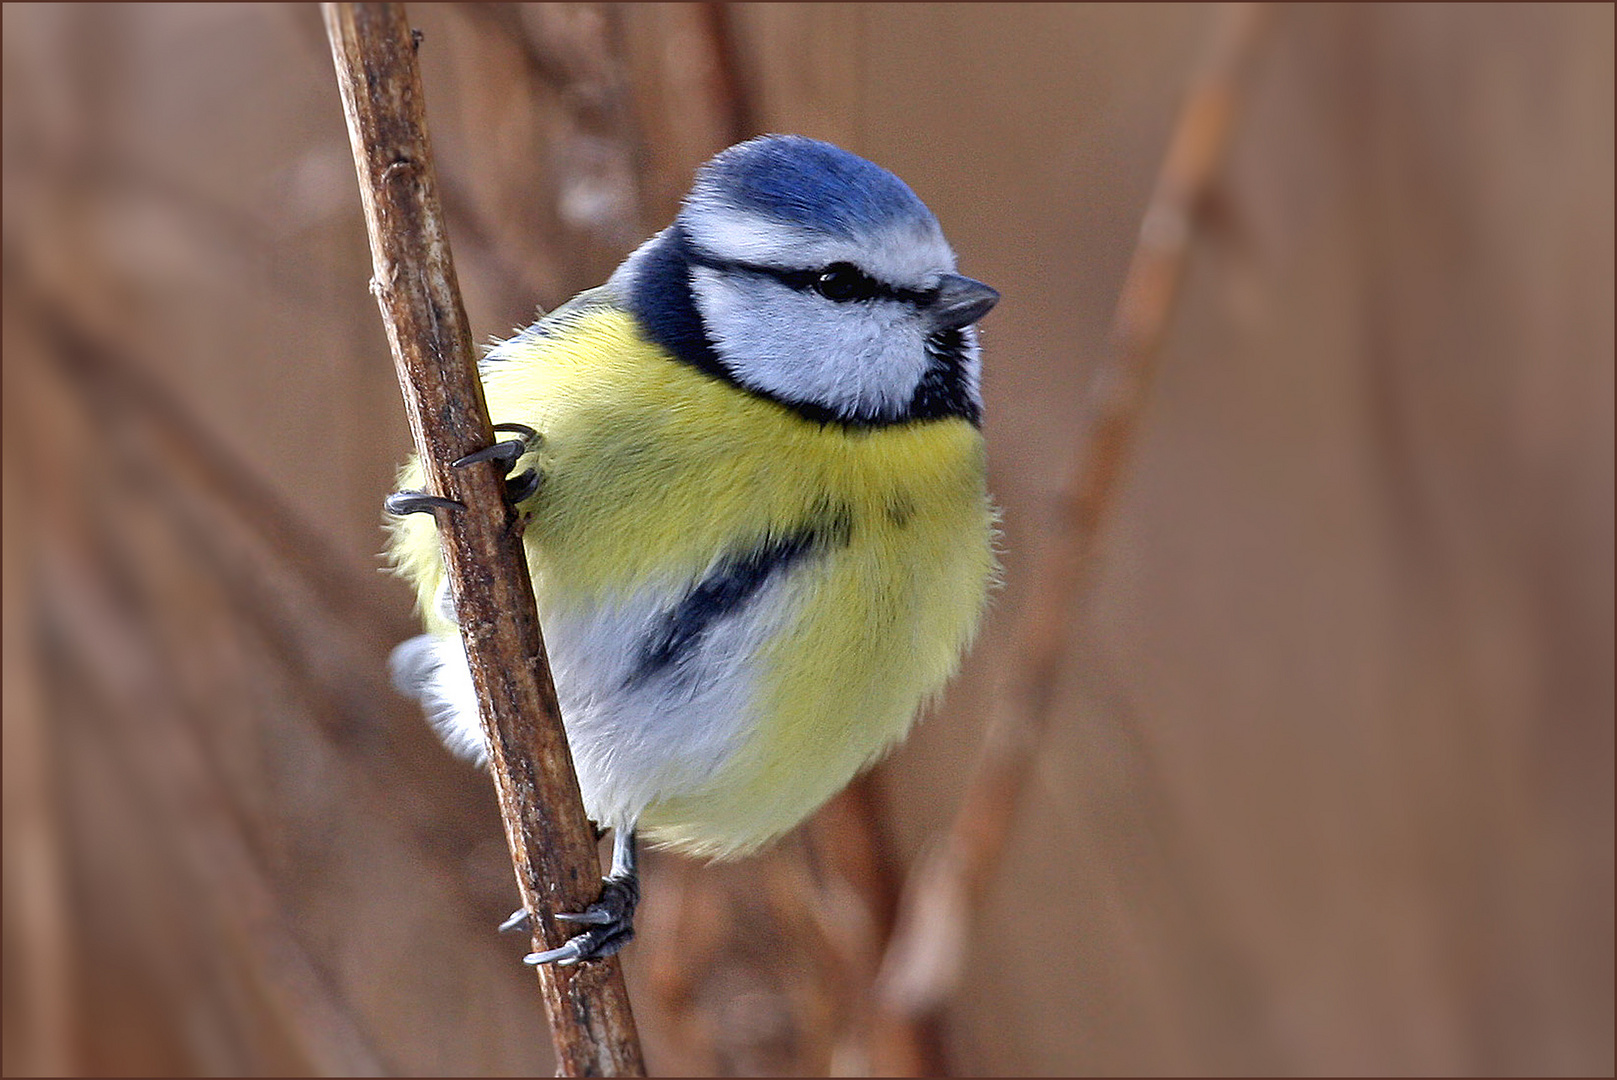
(653, 469)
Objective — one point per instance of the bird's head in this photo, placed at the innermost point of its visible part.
(810, 276)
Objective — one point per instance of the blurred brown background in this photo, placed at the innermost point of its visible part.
(1329, 787)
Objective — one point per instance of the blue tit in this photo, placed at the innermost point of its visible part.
(756, 510)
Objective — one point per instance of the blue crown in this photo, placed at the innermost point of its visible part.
(808, 183)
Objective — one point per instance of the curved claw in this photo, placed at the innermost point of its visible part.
(596, 943)
(522, 486)
(593, 916)
(568, 955)
(528, 434)
(517, 920)
(505, 452)
(401, 503)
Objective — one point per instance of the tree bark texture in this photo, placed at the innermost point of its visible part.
(552, 844)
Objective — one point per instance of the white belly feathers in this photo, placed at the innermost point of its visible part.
(657, 692)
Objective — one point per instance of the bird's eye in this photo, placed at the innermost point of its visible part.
(845, 281)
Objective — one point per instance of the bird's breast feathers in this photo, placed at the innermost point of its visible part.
(743, 607)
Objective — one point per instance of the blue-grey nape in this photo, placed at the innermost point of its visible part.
(801, 181)
(659, 295)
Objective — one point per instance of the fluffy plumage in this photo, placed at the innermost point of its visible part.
(763, 537)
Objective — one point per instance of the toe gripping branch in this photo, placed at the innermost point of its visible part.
(610, 920)
(506, 452)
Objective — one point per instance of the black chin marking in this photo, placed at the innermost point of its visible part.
(660, 297)
(942, 390)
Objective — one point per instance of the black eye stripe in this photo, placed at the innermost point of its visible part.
(867, 287)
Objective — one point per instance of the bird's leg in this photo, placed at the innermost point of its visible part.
(507, 452)
(610, 919)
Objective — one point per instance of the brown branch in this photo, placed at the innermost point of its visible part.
(924, 956)
(728, 83)
(552, 845)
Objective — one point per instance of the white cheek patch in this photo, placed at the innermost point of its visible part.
(909, 253)
(861, 358)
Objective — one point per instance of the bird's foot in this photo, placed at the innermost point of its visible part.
(518, 488)
(520, 920)
(507, 452)
(610, 920)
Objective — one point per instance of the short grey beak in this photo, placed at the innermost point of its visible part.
(961, 302)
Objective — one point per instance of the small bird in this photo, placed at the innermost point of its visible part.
(755, 503)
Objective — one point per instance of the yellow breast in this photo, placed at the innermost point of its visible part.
(654, 469)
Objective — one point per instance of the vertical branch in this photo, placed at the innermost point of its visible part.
(552, 845)
(729, 84)
(37, 895)
(924, 956)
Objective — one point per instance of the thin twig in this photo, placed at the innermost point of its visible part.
(924, 956)
(552, 845)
